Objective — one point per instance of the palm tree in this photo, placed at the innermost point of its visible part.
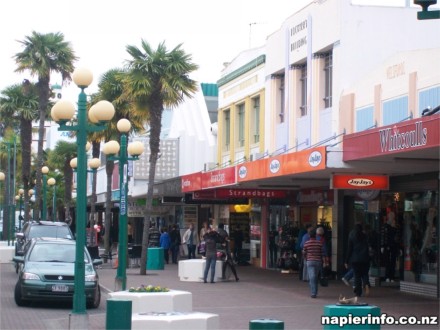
(156, 78)
(111, 89)
(20, 103)
(60, 158)
(42, 55)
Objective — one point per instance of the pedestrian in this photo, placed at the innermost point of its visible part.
(304, 239)
(314, 254)
(130, 232)
(175, 243)
(154, 237)
(191, 239)
(358, 257)
(201, 249)
(228, 262)
(165, 243)
(238, 243)
(273, 246)
(211, 239)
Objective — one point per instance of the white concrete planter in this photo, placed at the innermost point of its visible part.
(192, 270)
(148, 302)
(174, 320)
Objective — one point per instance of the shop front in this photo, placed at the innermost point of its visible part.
(403, 217)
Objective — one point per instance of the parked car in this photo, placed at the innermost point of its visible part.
(47, 273)
(33, 229)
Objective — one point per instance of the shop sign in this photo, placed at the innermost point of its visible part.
(414, 134)
(360, 181)
(296, 162)
(239, 193)
(192, 182)
(219, 178)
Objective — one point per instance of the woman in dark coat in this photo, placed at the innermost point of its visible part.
(358, 256)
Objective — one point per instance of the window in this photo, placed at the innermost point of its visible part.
(395, 110)
(256, 119)
(240, 117)
(281, 94)
(227, 129)
(364, 118)
(328, 70)
(429, 98)
(303, 86)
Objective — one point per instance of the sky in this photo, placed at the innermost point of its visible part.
(213, 32)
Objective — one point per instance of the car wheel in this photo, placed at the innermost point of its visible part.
(97, 299)
(18, 297)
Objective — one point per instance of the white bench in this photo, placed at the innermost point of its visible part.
(147, 302)
(175, 320)
(192, 270)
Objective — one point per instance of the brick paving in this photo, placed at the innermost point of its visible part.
(260, 293)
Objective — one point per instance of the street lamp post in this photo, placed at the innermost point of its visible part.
(135, 149)
(99, 114)
(19, 198)
(52, 182)
(44, 171)
(2, 179)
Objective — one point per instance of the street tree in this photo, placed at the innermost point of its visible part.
(156, 78)
(42, 55)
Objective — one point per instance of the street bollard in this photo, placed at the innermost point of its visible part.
(118, 314)
(268, 324)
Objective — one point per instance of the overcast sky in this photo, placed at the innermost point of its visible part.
(213, 32)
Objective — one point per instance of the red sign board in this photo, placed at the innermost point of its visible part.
(222, 193)
(360, 181)
(296, 162)
(402, 137)
(219, 178)
(192, 182)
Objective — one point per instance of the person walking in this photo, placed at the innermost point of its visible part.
(165, 243)
(175, 243)
(314, 254)
(191, 239)
(304, 239)
(228, 262)
(273, 246)
(211, 239)
(358, 257)
(238, 243)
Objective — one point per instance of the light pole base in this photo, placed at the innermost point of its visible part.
(118, 284)
(78, 321)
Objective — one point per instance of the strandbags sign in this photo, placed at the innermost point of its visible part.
(360, 181)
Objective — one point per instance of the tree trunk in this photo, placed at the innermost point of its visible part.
(155, 128)
(26, 141)
(43, 97)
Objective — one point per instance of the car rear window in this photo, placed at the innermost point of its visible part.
(50, 231)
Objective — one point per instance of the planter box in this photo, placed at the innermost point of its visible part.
(192, 270)
(178, 321)
(148, 302)
(6, 253)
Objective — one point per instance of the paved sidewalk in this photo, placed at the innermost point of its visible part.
(262, 293)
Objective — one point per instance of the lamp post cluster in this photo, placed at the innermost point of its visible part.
(100, 113)
(134, 149)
